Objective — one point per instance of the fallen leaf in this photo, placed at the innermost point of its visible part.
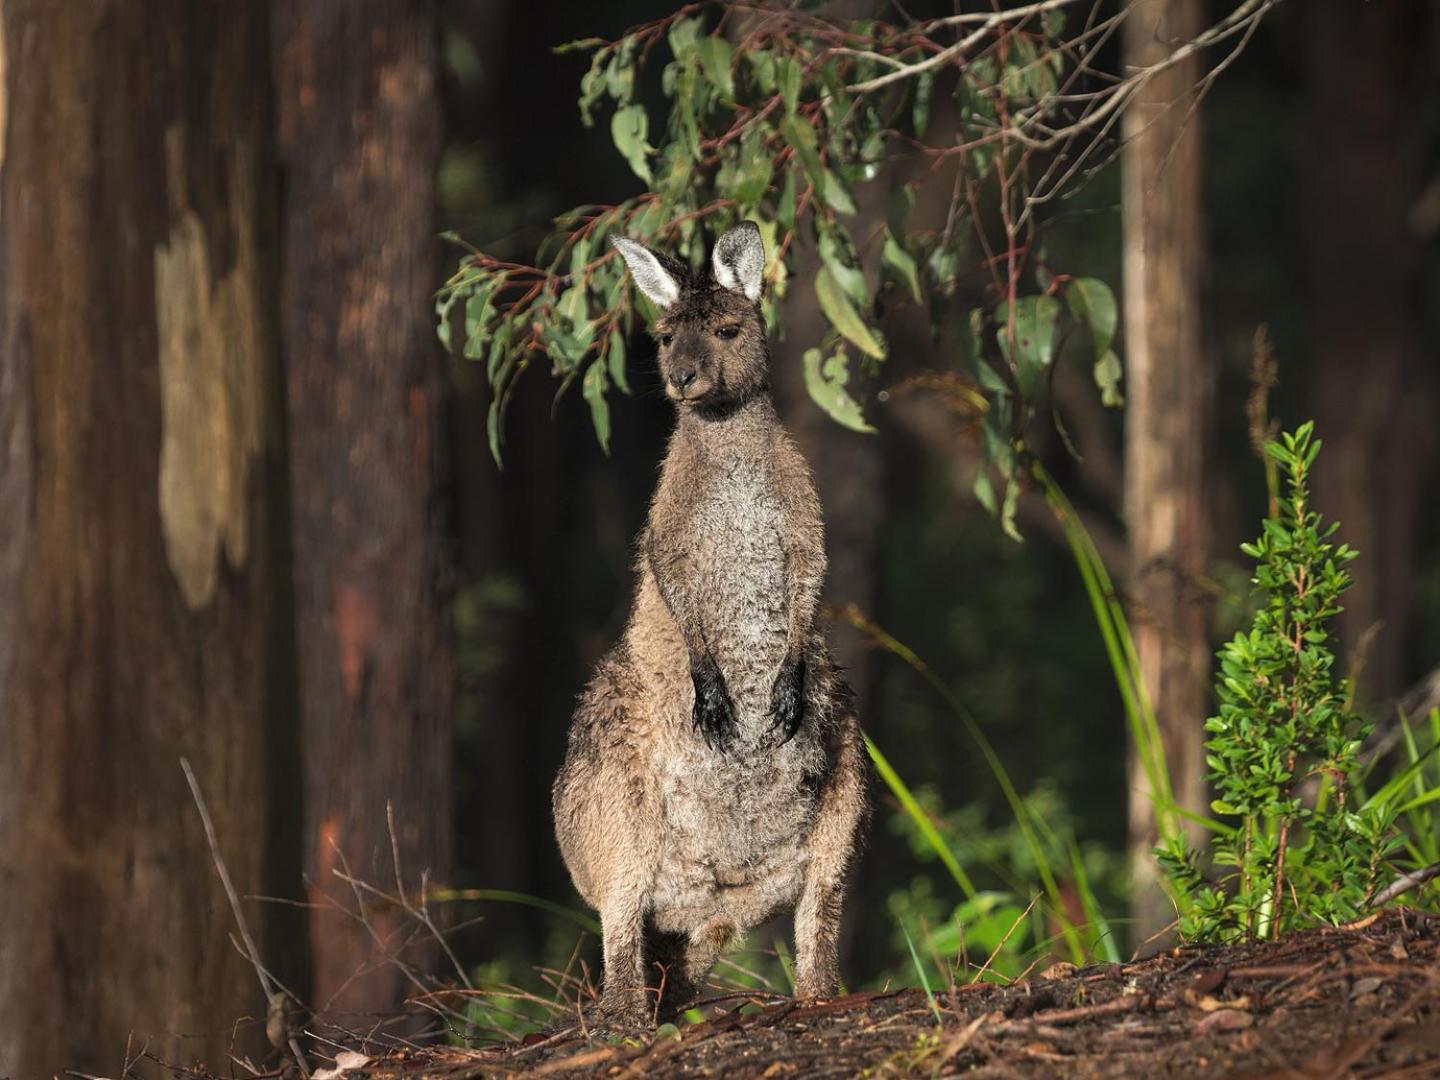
(1225, 1020)
(1365, 986)
(1207, 982)
(345, 1061)
(1062, 969)
(1214, 1004)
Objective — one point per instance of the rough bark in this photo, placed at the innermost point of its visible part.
(1373, 391)
(1169, 390)
(359, 140)
(142, 601)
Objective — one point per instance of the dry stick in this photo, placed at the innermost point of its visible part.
(251, 951)
(1405, 884)
(1001, 943)
(422, 913)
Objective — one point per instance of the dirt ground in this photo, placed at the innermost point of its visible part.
(1363, 1000)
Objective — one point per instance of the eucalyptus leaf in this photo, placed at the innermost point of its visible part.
(592, 388)
(715, 57)
(616, 360)
(843, 316)
(825, 380)
(1093, 305)
(629, 128)
(683, 35)
(1107, 378)
(791, 74)
(902, 263)
(801, 137)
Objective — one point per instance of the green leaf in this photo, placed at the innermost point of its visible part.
(825, 380)
(755, 171)
(616, 360)
(835, 194)
(843, 316)
(593, 390)
(478, 310)
(785, 206)
(837, 255)
(715, 57)
(683, 35)
(1093, 305)
(801, 137)
(984, 490)
(1035, 320)
(620, 75)
(444, 302)
(902, 263)
(492, 428)
(592, 87)
(629, 128)
(791, 75)
(1107, 378)
(924, 86)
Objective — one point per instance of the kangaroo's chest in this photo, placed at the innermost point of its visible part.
(738, 530)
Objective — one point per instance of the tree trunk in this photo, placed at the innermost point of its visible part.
(1373, 391)
(1169, 390)
(359, 142)
(143, 613)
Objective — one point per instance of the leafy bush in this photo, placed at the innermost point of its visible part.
(1296, 857)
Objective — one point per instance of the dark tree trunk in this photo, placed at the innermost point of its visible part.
(143, 613)
(359, 141)
(1373, 391)
(1169, 387)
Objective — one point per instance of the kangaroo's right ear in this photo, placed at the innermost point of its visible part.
(657, 276)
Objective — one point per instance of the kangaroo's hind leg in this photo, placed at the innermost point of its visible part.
(608, 822)
(830, 847)
(681, 963)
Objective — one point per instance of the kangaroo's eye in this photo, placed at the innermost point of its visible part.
(727, 332)
(665, 339)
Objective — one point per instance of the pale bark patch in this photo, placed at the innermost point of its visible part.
(210, 387)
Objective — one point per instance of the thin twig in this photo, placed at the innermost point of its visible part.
(266, 986)
(1405, 884)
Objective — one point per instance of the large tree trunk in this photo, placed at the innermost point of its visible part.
(359, 141)
(1373, 391)
(142, 606)
(1169, 391)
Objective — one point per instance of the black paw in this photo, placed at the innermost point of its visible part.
(714, 713)
(787, 700)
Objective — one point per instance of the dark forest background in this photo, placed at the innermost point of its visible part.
(248, 513)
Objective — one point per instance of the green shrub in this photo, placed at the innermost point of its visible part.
(1307, 846)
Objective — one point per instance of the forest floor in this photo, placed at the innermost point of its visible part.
(1363, 1000)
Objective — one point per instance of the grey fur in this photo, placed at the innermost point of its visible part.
(715, 773)
(738, 260)
(655, 280)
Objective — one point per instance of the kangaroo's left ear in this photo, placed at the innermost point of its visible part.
(738, 260)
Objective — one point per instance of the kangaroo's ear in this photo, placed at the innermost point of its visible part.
(739, 260)
(659, 278)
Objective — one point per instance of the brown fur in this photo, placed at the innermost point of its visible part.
(715, 772)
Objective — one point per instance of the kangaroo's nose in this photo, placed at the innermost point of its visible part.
(682, 377)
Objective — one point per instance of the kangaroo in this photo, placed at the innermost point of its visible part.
(715, 773)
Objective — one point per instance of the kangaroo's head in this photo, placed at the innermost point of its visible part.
(713, 350)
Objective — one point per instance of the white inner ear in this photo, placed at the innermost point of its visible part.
(654, 280)
(739, 260)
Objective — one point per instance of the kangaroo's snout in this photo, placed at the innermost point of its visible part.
(682, 377)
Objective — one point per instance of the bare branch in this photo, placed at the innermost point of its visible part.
(272, 994)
